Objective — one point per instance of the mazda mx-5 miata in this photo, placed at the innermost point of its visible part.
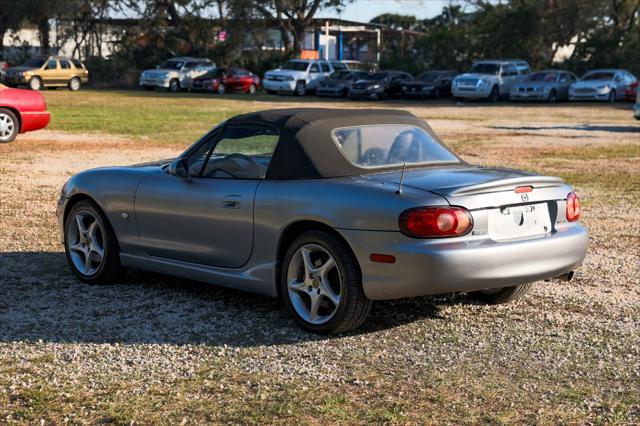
(328, 209)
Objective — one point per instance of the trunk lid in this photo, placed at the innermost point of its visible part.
(490, 195)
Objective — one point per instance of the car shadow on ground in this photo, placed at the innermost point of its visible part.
(43, 301)
(289, 99)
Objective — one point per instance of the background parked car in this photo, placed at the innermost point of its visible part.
(380, 85)
(522, 66)
(630, 92)
(487, 80)
(337, 84)
(48, 71)
(175, 74)
(549, 85)
(21, 111)
(4, 66)
(222, 80)
(636, 107)
(297, 76)
(602, 85)
(434, 84)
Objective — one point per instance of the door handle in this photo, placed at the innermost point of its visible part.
(231, 201)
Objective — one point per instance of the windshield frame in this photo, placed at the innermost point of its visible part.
(41, 61)
(182, 64)
(587, 78)
(530, 77)
(485, 64)
(395, 166)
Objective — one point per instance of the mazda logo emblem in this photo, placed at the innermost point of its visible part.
(524, 197)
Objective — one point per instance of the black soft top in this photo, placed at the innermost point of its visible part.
(306, 149)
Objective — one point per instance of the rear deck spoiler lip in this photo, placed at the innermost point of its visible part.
(500, 185)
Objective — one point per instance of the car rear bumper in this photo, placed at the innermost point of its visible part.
(34, 121)
(425, 267)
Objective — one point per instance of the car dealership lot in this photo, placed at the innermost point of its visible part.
(156, 348)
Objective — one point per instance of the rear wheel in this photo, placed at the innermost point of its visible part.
(91, 246)
(35, 83)
(501, 295)
(9, 125)
(321, 284)
(612, 96)
(74, 84)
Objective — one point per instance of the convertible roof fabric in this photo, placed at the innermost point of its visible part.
(305, 147)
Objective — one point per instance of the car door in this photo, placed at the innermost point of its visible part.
(50, 73)
(565, 81)
(509, 77)
(207, 219)
(315, 75)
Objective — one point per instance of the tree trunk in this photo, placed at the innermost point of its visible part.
(43, 32)
(298, 38)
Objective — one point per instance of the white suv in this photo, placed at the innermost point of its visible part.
(297, 76)
(488, 80)
(175, 74)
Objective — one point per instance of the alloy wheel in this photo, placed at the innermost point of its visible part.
(7, 127)
(252, 89)
(221, 89)
(314, 284)
(35, 83)
(74, 84)
(85, 239)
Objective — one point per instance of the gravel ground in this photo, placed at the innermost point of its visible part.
(158, 349)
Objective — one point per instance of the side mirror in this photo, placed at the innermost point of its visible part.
(180, 168)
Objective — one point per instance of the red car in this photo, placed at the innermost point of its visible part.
(222, 80)
(21, 111)
(630, 93)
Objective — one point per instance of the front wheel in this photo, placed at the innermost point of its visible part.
(252, 89)
(552, 97)
(90, 245)
(612, 96)
(321, 284)
(35, 83)
(221, 89)
(495, 95)
(498, 296)
(301, 88)
(174, 85)
(9, 125)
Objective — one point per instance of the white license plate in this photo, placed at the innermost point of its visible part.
(519, 221)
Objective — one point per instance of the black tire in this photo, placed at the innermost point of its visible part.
(74, 84)
(301, 88)
(174, 85)
(436, 94)
(110, 270)
(12, 124)
(612, 96)
(502, 295)
(35, 83)
(553, 98)
(354, 306)
(494, 97)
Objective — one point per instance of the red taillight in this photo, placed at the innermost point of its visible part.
(573, 207)
(435, 222)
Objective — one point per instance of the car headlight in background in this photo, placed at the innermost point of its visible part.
(483, 83)
(290, 78)
(546, 89)
(375, 86)
(604, 87)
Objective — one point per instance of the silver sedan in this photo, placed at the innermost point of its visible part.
(549, 86)
(328, 210)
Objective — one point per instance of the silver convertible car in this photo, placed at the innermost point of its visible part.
(327, 209)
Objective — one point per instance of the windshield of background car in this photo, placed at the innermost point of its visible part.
(35, 62)
(485, 69)
(340, 75)
(295, 66)
(428, 76)
(378, 76)
(218, 72)
(543, 76)
(172, 65)
(384, 145)
(598, 76)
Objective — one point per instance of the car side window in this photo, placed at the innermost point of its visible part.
(242, 152)
(509, 70)
(325, 67)
(314, 68)
(52, 64)
(64, 64)
(77, 63)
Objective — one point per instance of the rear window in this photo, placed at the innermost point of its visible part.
(77, 63)
(384, 145)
